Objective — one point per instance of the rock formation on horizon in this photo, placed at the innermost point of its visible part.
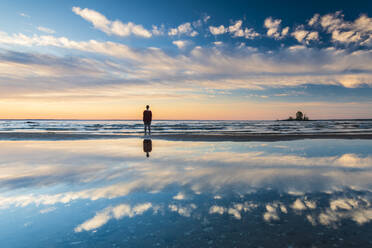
(299, 117)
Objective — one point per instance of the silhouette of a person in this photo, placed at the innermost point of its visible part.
(147, 118)
(147, 146)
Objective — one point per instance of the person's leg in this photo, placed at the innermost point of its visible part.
(149, 128)
(145, 128)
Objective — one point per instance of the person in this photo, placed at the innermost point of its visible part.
(147, 118)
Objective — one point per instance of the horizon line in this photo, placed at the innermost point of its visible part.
(73, 119)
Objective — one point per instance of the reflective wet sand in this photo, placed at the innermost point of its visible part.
(133, 193)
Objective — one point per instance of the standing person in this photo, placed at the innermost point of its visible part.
(147, 118)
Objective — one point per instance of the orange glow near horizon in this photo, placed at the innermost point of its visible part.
(181, 110)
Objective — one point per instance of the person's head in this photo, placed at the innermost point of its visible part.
(147, 106)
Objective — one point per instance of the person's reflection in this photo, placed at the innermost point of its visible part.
(147, 146)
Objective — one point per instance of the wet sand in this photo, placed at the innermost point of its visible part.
(217, 137)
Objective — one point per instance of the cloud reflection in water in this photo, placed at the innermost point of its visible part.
(49, 173)
(115, 168)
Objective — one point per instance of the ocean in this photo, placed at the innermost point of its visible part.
(189, 126)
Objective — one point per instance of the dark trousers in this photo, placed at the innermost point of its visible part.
(147, 127)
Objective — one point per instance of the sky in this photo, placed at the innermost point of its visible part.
(238, 60)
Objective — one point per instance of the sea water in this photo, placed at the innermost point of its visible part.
(135, 127)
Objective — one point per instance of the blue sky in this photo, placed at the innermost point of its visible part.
(272, 57)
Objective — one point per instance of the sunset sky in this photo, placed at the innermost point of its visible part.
(251, 60)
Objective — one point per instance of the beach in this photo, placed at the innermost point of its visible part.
(186, 188)
(185, 124)
(186, 130)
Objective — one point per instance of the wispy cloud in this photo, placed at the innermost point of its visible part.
(194, 71)
(117, 27)
(116, 212)
(46, 30)
(344, 32)
(289, 66)
(47, 210)
(24, 15)
(198, 71)
(181, 43)
(208, 172)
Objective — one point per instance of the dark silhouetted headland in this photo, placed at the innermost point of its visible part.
(299, 117)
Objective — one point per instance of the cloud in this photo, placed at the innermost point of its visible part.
(183, 29)
(357, 210)
(283, 209)
(96, 164)
(311, 219)
(199, 23)
(310, 204)
(235, 27)
(195, 70)
(304, 36)
(313, 20)
(353, 161)
(344, 32)
(343, 203)
(273, 28)
(47, 210)
(179, 196)
(117, 27)
(46, 30)
(182, 210)
(235, 210)
(362, 216)
(97, 221)
(312, 36)
(181, 43)
(217, 210)
(300, 35)
(298, 205)
(235, 30)
(107, 48)
(158, 30)
(271, 213)
(117, 212)
(24, 15)
(285, 31)
(218, 30)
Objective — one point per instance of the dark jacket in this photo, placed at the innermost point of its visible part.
(147, 116)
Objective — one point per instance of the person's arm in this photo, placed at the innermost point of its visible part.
(150, 116)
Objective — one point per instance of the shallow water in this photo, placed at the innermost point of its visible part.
(108, 193)
(135, 127)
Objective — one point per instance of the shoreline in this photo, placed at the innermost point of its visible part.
(214, 137)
